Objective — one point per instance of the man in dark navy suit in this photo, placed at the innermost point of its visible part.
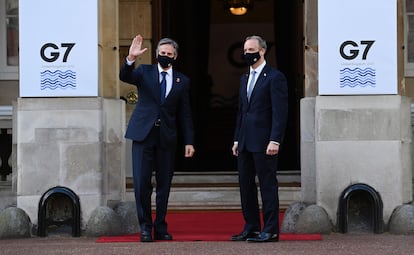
(260, 127)
(163, 104)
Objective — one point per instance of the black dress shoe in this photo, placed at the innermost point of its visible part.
(264, 237)
(146, 236)
(244, 235)
(164, 237)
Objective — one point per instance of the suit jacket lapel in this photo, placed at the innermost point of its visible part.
(244, 87)
(260, 79)
(156, 88)
(176, 81)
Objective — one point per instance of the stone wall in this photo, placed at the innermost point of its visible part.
(76, 143)
(356, 139)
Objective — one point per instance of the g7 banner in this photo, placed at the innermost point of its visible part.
(58, 42)
(357, 47)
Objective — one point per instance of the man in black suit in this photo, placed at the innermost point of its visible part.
(163, 103)
(260, 127)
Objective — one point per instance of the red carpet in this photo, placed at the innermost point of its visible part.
(206, 226)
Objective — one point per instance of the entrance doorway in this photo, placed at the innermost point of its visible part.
(211, 43)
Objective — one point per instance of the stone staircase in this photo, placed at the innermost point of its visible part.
(218, 190)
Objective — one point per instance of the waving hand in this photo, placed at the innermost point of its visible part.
(135, 48)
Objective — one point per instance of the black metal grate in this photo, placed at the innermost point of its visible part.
(59, 206)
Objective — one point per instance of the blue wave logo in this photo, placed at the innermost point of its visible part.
(57, 80)
(357, 77)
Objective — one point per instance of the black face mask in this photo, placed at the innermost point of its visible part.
(165, 61)
(251, 58)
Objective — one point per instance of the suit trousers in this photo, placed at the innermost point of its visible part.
(250, 165)
(149, 156)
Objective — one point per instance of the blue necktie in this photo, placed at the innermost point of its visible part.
(251, 85)
(163, 86)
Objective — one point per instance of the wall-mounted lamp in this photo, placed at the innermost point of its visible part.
(238, 7)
